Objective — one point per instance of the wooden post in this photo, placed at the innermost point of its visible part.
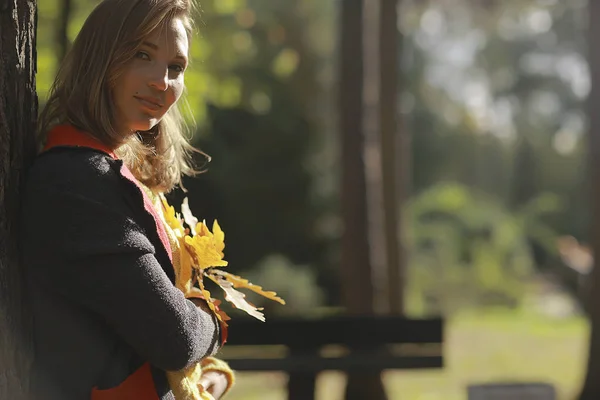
(18, 112)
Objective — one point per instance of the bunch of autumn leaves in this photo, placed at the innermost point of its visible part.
(202, 256)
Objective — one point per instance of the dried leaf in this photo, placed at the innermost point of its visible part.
(239, 282)
(210, 301)
(238, 299)
(188, 217)
(199, 257)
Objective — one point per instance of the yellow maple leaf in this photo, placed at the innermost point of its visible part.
(205, 251)
(200, 254)
(172, 218)
(219, 237)
(201, 229)
(184, 275)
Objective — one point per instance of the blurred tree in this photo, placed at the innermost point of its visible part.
(259, 182)
(525, 177)
(18, 106)
(384, 178)
(591, 386)
(357, 273)
(494, 96)
(512, 73)
(395, 149)
(62, 30)
(466, 248)
(257, 185)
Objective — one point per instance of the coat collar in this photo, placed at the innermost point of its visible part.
(69, 136)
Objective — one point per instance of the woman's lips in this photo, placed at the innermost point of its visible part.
(151, 104)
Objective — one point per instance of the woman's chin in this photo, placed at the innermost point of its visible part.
(145, 125)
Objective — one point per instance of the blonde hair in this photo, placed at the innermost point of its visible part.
(82, 91)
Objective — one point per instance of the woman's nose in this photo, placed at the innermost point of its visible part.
(160, 78)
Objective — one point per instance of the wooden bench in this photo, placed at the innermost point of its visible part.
(367, 343)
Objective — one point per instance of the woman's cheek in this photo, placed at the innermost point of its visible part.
(178, 88)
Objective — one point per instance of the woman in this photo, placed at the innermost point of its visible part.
(108, 320)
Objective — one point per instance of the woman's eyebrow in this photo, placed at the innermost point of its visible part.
(151, 45)
(154, 46)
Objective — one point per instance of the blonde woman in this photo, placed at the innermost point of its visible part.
(108, 320)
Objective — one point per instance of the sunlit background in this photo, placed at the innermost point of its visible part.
(495, 221)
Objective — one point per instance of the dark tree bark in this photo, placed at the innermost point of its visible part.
(387, 157)
(356, 278)
(394, 152)
(356, 273)
(591, 388)
(18, 111)
(373, 156)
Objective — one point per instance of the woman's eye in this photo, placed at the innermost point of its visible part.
(142, 55)
(177, 68)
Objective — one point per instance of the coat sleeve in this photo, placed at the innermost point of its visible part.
(89, 250)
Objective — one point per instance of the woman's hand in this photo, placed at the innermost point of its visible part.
(215, 383)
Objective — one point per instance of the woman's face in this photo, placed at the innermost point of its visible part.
(153, 80)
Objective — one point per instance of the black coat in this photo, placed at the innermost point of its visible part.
(101, 283)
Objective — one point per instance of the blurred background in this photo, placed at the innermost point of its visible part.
(472, 171)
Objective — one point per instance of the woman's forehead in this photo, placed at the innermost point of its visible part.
(170, 36)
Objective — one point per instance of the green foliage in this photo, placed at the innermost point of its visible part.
(297, 284)
(465, 248)
(257, 185)
(504, 113)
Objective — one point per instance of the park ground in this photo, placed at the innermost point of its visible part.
(492, 346)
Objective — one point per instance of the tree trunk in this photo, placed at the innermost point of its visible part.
(394, 152)
(373, 156)
(525, 178)
(356, 273)
(591, 388)
(18, 111)
(357, 285)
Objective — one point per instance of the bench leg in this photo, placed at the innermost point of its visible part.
(363, 386)
(301, 386)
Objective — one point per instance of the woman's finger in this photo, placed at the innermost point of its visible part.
(206, 383)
